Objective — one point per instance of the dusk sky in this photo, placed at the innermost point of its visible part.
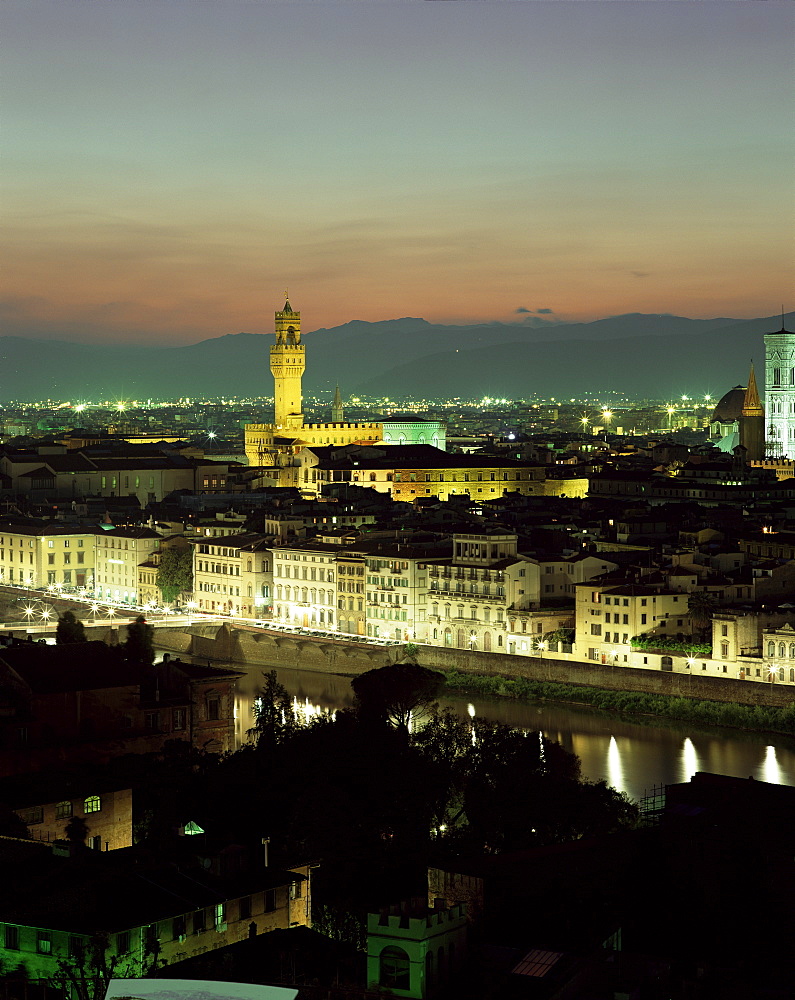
(171, 167)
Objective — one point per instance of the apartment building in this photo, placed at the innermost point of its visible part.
(39, 553)
(305, 585)
(232, 574)
(609, 614)
(467, 598)
(148, 913)
(119, 552)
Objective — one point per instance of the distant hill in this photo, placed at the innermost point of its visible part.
(644, 355)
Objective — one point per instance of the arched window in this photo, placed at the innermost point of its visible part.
(428, 970)
(792, 650)
(782, 650)
(487, 642)
(771, 649)
(248, 565)
(93, 804)
(395, 972)
(461, 639)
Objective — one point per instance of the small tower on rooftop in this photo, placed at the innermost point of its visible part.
(752, 422)
(337, 409)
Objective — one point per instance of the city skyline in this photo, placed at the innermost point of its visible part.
(170, 169)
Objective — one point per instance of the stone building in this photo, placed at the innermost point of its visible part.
(416, 949)
(277, 444)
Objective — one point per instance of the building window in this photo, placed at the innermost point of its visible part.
(123, 943)
(93, 804)
(44, 942)
(213, 709)
(178, 928)
(63, 810)
(179, 719)
(244, 908)
(395, 972)
(199, 921)
(269, 900)
(296, 890)
(11, 937)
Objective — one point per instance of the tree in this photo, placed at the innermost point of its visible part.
(76, 831)
(508, 790)
(70, 629)
(701, 606)
(87, 972)
(139, 646)
(274, 715)
(175, 573)
(399, 693)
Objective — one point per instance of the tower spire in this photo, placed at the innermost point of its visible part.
(752, 405)
(337, 409)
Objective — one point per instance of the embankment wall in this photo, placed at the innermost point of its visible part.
(269, 649)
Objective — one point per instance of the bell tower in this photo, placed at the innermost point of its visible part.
(288, 361)
(780, 392)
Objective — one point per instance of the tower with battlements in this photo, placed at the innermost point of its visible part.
(288, 361)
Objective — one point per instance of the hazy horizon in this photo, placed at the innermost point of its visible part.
(171, 168)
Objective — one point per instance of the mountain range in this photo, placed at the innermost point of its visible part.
(655, 356)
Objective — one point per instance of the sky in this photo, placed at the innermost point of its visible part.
(171, 167)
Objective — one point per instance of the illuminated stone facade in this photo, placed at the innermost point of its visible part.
(38, 555)
(278, 443)
(780, 393)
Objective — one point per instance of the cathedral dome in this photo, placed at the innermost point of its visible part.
(730, 406)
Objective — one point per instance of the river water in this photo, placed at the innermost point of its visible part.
(630, 755)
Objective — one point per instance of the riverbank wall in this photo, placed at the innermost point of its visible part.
(269, 649)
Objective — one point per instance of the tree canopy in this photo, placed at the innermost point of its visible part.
(175, 572)
(70, 629)
(139, 646)
(399, 692)
(701, 606)
(274, 715)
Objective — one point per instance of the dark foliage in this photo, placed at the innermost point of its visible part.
(70, 629)
(139, 647)
(399, 693)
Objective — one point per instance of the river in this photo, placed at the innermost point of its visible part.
(632, 756)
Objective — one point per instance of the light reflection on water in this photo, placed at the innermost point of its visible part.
(630, 756)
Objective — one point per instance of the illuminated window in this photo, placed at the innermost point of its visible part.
(93, 804)
(44, 943)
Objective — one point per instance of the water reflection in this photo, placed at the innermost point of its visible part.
(771, 770)
(689, 760)
(631, 756)
(615, 769)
